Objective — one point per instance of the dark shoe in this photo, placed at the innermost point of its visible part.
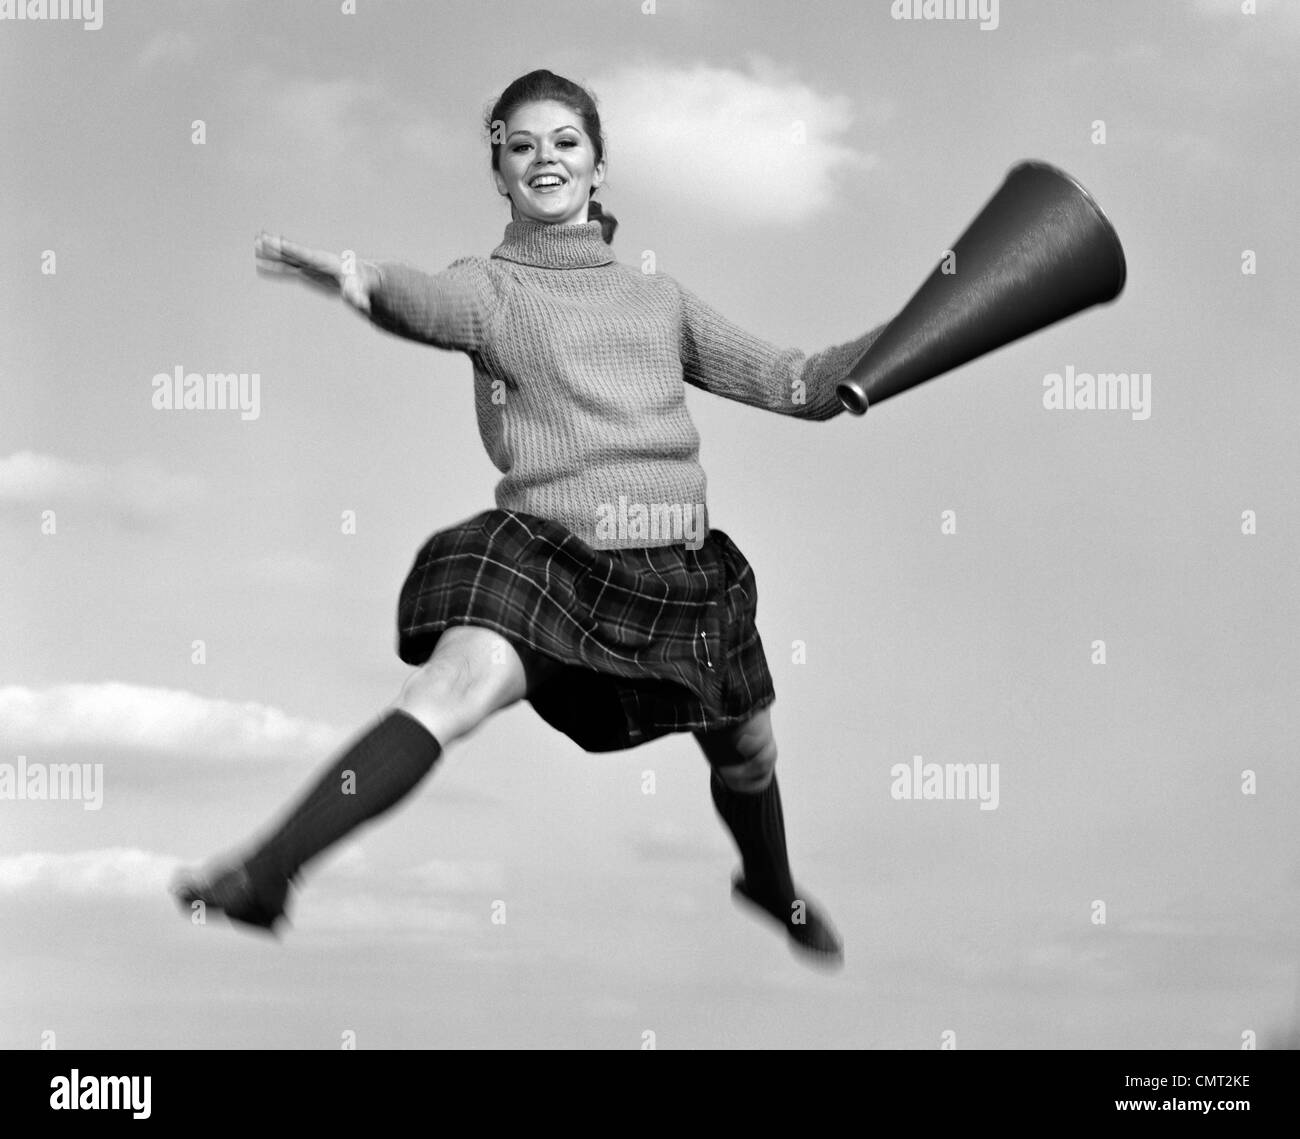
(234, 892)
(814, 936)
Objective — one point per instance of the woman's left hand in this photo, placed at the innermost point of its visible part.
(277, 257)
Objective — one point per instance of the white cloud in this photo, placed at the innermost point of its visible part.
(717, 138)
(134, 492)
(112, 872)
(117, 715)
(167, 47)
(437, 898)
(724, 140)
(353, 899)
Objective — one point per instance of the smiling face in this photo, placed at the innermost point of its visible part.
(547, 164)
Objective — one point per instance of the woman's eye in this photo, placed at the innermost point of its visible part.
(522, 145)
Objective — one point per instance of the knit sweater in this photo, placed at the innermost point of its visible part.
(579, 363)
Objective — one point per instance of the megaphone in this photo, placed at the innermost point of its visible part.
(1039, 251)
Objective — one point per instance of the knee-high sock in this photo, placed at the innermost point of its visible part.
(378, 769)
(757, 824)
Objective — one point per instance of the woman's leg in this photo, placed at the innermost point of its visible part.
(746, 795)
(473, 673)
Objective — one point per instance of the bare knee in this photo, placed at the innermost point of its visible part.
(753, 774)
(745, 757)
(472, 673)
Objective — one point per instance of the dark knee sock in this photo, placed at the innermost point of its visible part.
(756, 822)
(376, 771)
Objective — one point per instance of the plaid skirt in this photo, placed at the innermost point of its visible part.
(650, 640)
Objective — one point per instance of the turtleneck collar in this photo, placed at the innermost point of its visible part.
(577, 246)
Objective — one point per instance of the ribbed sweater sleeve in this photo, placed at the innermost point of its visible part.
(721, 357)
(451, 309)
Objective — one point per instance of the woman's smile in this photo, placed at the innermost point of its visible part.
(547, 184)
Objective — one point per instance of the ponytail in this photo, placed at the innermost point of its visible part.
(608, 222)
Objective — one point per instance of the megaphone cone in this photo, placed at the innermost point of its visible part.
(1039, 251)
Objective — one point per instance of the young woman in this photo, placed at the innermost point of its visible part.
(596, 589)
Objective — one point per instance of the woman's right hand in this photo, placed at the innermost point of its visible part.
(277, 257)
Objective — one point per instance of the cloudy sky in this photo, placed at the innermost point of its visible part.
(182, 606)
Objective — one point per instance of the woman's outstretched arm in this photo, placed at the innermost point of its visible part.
(721, 357)
(450, 309)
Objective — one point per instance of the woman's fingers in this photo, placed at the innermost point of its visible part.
(316, 259)
(279, 271)
(270, 268)
(272, 247)
(276, 256)
(266, 246)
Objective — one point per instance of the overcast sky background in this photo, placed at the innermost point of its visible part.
(1119, 782)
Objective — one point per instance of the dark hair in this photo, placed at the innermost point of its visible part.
(540, 86)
